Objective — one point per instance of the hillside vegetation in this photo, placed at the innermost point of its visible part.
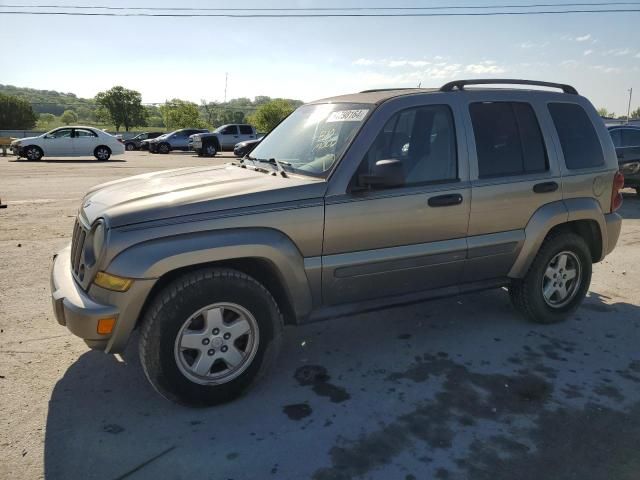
(58, 108)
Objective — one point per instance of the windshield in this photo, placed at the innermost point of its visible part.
(313, 137)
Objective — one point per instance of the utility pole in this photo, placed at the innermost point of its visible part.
(226, 78)
(629, 107)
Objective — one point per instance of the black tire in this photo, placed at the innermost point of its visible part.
(102, 153)
(638, 191)
(527, 293)
(169, 312)
(33, 153)
(210, 150)
(164, 148)
(130, 147)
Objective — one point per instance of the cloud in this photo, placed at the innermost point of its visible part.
(637, 55)
(606, 69)
(583, 38)
(528, 45)
(587, 52)
(364, 62)
(569, 63)
(484, 68)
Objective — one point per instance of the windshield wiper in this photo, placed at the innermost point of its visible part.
(274, 161)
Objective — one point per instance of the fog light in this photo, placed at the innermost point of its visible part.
(112, 282)
(105, 325)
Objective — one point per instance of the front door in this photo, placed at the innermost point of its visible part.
(58, 143)
(229, 136)
(385, 242)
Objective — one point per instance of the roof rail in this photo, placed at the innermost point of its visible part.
(460, 84)
(386, 89)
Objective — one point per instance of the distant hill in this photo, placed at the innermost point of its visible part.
(49, 101)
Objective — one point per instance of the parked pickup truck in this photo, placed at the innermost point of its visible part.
(352, 203)
(222, 138)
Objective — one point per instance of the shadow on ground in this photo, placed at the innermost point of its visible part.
(455, 388)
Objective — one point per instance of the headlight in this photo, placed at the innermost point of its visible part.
(94, 244)
(630, 168)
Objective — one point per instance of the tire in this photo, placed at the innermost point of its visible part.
(130, 147)
(175, 321)
(210, 150)
(638, 191)
(529, 294)
(102, 153)
(33, 152)
(164, 148)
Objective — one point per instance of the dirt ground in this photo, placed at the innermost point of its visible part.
(455, 388)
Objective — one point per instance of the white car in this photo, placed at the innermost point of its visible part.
(69, 142)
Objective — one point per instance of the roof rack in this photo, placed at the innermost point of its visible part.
(460, 84)
(385, 90)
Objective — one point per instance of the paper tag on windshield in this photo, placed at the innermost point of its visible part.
(347, 116)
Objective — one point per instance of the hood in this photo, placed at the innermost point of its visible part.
(25, 139)
(192, 191)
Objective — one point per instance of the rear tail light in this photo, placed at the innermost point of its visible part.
(616, 196)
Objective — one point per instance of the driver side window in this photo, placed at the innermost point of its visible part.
(423, 139)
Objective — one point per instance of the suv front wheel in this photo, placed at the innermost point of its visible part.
(557, 280)
(208, 336)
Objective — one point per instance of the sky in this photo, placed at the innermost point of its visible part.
(304, 58)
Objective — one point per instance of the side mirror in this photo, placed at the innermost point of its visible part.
(386, 174)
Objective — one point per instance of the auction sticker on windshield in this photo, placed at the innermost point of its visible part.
(347, 116)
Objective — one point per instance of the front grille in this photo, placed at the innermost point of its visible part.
(77, 245)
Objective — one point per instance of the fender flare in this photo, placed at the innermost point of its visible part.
(154, 258)
(549, 216)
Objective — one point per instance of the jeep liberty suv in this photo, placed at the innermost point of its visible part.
(354, 202)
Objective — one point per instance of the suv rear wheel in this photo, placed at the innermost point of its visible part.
(557, 280)
(208, 336)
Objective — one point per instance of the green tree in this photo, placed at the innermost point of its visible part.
(122, 106)
(16, 113)
(636, 113)
(268, 115)
(68, 117)
(181, 114)
(603, 112)
(46, 119)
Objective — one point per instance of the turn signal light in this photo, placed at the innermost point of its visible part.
(105, 325)
(112, 282)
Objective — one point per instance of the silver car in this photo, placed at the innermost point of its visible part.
(352, 203)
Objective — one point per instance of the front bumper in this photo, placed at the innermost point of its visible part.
(613, 223)
(72, 306)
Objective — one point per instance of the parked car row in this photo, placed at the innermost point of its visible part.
(225, 137)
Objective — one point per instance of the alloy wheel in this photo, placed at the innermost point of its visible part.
(561, 279)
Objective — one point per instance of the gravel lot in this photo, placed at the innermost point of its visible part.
(454, 388)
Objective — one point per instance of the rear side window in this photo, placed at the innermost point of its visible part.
(508, 139)
(230, 130)
(578, 138)
(246, 130)
(616, 136)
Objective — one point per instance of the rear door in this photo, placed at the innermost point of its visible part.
(229, 136)
(513, 174)
(411, 238)
(84, 141)
(246, 133)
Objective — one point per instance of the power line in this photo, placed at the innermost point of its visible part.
(320, 9)
(321, 15)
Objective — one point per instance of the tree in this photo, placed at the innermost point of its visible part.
(16, 113)
(46, 119)
(636, 113)
(268, 115)
(604, 113)
(68, 117)
(123, 107)
(181, 114)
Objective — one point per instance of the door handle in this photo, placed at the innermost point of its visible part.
(445, 200)
(545, 187)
